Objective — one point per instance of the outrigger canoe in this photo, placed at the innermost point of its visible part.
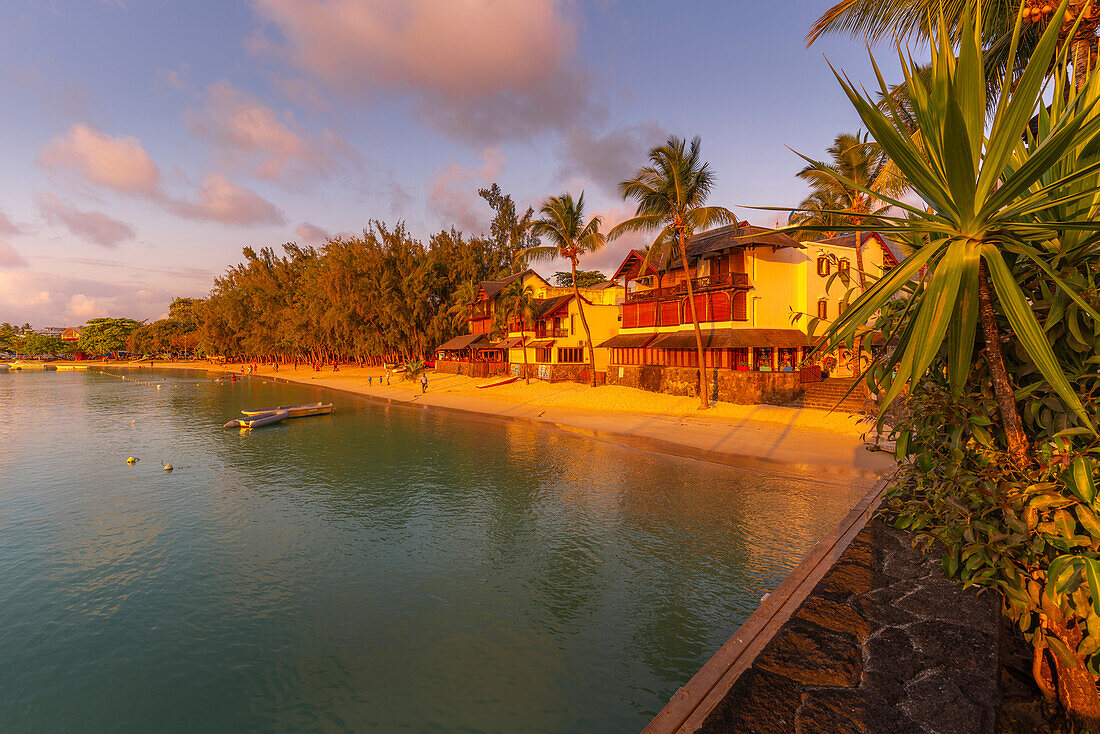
(256, 421)
(504, 381)
(295, 411)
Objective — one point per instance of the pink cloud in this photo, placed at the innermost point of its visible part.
(452, 193)
(10, 257)
(251, 135)
(9, 227)
(93, 226)
(221, 200)
(117, 163)
(311, 234)
(49, 299)
(478, 69)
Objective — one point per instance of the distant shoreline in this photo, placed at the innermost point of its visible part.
(773, 438)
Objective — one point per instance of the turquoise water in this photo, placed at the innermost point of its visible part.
(385, 568)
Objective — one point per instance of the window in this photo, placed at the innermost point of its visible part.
(823, 309)
(824, 267)
(542, 355)
(740, 306)
(570, 355)
(843, 265)
(741, 358)
(841, 308)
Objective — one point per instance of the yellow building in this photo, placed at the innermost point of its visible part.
(554, 338)
(755, 292)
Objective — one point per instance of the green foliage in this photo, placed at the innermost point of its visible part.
(106, 336)
(585, 278)
(413, 369)
(383, 294)
(37, 344)
(510, 233)
(988, 196)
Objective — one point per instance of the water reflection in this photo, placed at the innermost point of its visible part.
(383, 566)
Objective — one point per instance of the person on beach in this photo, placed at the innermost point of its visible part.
(387, 378)
(335, 367)
(370, 380)
(423, 382)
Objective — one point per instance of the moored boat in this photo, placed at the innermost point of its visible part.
(257, 421)
(296, 411)
(503, 381)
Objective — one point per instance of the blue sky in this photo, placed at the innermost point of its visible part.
(145, 142)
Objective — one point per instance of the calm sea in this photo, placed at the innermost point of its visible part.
(385, 568)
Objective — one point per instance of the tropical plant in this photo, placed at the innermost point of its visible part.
(563, 224)
(413, 368)
(671, 193)
(517, 303)
(1007, 243)
(983, 200)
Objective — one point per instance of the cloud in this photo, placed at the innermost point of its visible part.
(221, 200)
(311, 234)
(117, 163)
(452, 193)
(609, 158)
(93, 226)
(480, 70)
(48, 299)
(10, 257)
(250, 135)
(8, 227)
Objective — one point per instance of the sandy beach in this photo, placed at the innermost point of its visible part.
(802, 439)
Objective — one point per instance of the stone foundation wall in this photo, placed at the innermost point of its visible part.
(731, 386)
(560, 373)
(471, 369)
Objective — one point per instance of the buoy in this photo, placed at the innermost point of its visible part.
(167, 467)
(132, 460)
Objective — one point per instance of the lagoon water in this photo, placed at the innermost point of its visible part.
(384, 568)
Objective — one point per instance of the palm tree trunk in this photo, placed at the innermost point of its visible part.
(584, 321)
(1002, 388)
(1082, 57)
(704, 402)
(523, 344)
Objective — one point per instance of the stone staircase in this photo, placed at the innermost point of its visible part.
(829, 395)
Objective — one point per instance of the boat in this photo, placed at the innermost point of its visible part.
(503, 381)
(296, 411)
(72, 367)
(257, 421)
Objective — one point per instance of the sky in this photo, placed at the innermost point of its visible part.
(144, 143)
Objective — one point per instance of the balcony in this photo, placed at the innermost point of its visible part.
(699, 285)
(551, 333)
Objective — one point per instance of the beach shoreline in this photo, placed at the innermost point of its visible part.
(746, 436)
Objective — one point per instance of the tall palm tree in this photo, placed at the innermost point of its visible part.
(562, 223)
(671, 193)
(862, 167)
(517, 301)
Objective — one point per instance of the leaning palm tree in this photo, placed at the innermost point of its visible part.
(671, 192)
(517, 302)
(459, 310)
(562, 223)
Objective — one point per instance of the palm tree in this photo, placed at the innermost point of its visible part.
(563, 224)
(459, 310)
(862, 167)
(671, 192)
(517, 301)
(874, 20)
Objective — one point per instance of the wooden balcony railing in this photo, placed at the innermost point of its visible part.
(551, 333)
(706, 283)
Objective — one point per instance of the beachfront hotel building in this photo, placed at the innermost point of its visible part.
(553, 338)
(755, 292)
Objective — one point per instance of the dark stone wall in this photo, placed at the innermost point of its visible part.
(884, 643)
(731, 386)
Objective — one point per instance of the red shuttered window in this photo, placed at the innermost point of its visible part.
(670, 313)
(740, 306)
(720, 307)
